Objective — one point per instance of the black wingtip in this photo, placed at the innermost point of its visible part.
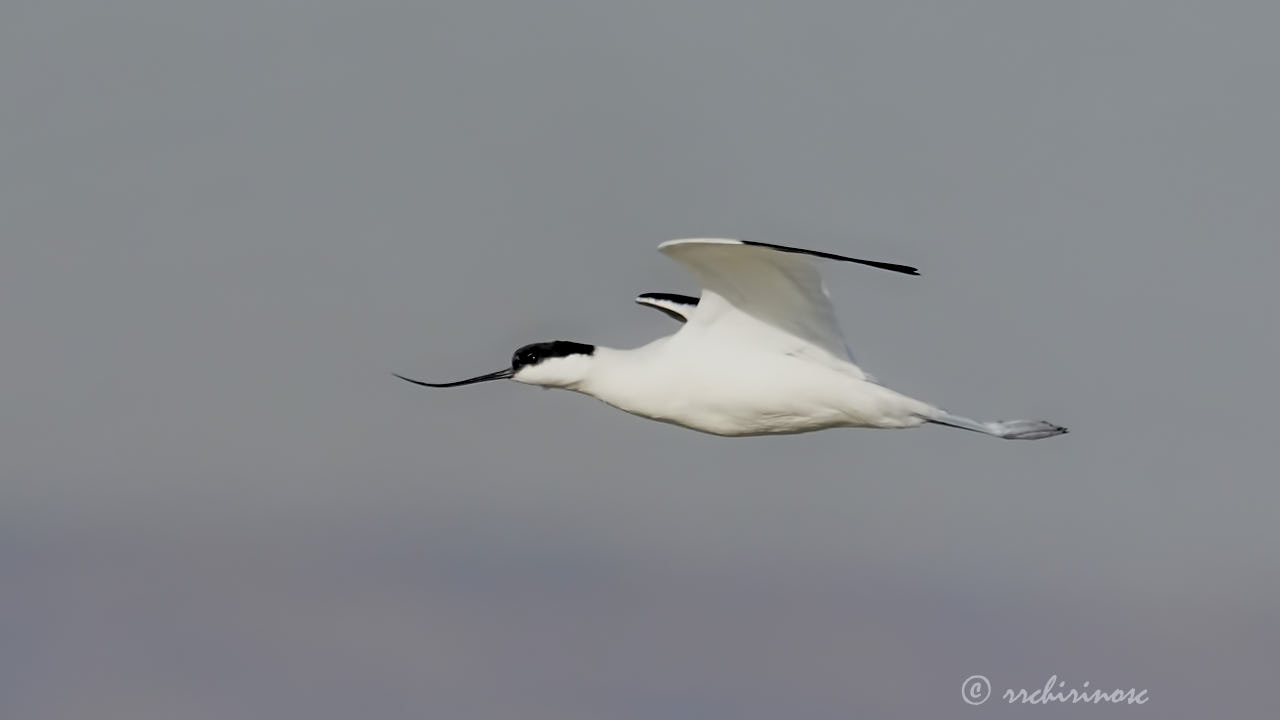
(893, 267)
(669, 297)
(904, 269)
(686, 302)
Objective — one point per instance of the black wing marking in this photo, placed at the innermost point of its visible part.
(676, 307)
(906, 269)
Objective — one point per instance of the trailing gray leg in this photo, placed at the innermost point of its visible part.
(1008, 429)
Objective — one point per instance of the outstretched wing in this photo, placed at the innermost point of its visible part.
(766, 297)
(676, 307)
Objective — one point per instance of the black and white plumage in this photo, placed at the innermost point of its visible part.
(759, 352)
(676, 307)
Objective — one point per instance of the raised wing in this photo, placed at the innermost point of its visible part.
(676, 307)
(765, 296)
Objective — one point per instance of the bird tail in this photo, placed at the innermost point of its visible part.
(1007, 429)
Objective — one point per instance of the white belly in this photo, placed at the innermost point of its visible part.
(761, 396)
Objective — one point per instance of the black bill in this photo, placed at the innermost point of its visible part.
(504, 374)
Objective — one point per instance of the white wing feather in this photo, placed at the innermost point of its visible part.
(761, 297)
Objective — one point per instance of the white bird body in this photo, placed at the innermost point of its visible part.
(718, 391)
(760, 353)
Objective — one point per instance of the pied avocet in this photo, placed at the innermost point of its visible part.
(759, 353)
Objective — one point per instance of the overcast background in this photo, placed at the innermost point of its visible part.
(222, 225)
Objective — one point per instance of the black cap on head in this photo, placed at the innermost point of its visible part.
(537, 352)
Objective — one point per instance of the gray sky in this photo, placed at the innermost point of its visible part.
(224, 224)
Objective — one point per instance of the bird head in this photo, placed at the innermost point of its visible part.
(556, 363)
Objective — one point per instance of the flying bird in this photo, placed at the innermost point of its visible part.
(759, 353)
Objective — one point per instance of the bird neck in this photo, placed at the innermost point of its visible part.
(616, 375)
